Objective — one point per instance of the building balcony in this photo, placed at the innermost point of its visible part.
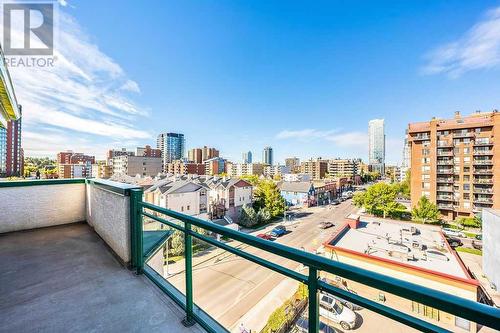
(86, 255)
(483, 190)
(445, 153)
(442, 162)
(445, 144)
(483, 200)
(447, 171)
(444, 180)
(483, 181)
(421, 137)
(488, 143)
(482, 162)
(445, 188)
(463, 134)
(483, 152)
(445, 198)
(445, 206)
(483, 171)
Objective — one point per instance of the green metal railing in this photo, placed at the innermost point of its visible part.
(467, 309)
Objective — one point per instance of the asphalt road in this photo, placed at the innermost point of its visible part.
(227, 286)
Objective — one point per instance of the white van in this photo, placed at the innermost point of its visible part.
(331, 309)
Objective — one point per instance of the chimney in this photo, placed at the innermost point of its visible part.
(457, 114)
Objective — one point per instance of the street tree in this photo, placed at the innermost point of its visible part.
(425, 211)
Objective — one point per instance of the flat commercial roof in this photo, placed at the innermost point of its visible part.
(389, 241)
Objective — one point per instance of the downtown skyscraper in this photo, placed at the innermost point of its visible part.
(376, 145)
(172, 146)
(267, 155)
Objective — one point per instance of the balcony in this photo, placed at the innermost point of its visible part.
(483, 181)
(445, 198)
(482, 162)
(64, 266)
(483, 171)
(444, 180)
(445, 144)
(483, 200)
(421, 137)
(483, 190)
(445, 206)
(445, 188)
(463, 134)
(483, 152)
(444, 162)
(445, 153)
(483, 143)
(444, 171)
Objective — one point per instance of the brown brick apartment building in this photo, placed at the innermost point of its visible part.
(455, 163)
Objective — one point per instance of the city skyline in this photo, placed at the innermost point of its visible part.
(122, 102)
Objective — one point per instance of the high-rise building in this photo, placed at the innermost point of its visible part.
(11, 153)
(200, 155)
(376, 145)
(74, 165)
(267, 155)
(172, 146)
(247, 157)
(453, 163)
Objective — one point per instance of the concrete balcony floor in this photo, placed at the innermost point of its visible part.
(64, 279)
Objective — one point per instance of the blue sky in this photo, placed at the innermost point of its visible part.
(304, 77)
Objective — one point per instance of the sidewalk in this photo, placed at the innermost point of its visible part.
(256, 318)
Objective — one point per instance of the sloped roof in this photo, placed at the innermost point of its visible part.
(302, 187)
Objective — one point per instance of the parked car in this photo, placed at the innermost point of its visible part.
(333, 310)
(335, 202)
(278, 231)
(453, 232)
(477, 244)
(302, 326)
(325, 225)
(479, 237)
(453, 241)
(265, 236)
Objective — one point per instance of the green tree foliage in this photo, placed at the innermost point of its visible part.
(469, 222)
(379, 199)
(425, 211)
(267, 195)
(370, 176)
(177, 240)
(248, 216)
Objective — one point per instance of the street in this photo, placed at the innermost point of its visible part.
(228, 287)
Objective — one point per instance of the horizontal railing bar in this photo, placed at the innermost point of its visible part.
(262, 262)
(166, 222)
(381, 309)
(464, 308)
(40, 182)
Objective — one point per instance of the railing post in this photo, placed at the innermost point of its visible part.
(136, 230)
(188, 253)
(312, 287)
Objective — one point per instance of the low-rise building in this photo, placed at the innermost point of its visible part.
(81, 170)
(184, 168)
(343, 168)
(298, 194)
(316, 168)
(272, 171)
(102, 170)
(215, 166)
(137, 165)
(245, 169)
(147, 151)
(417, 254)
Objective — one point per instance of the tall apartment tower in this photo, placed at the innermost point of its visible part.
(376, 145)
(452, 163)
(172, 146)
(267, 155)
(247, 157)
(11, 153)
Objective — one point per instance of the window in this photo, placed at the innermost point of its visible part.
(467, 205)
(426, 160)
(426, 177)
(425, 152)
(466, 196)
(456, 150)
(457, 168)
(466, 178)
(187, 208)
(457, 159)
(426, 168)
(182, 208)
(466, 159)
(466, 169)
(466, 150)
(425, 310)
(466, 187)
(426, 185)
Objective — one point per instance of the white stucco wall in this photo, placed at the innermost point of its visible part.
(109, 214)
(30, 207)
(491, 245)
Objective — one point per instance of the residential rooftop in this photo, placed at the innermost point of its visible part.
(397, 243)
